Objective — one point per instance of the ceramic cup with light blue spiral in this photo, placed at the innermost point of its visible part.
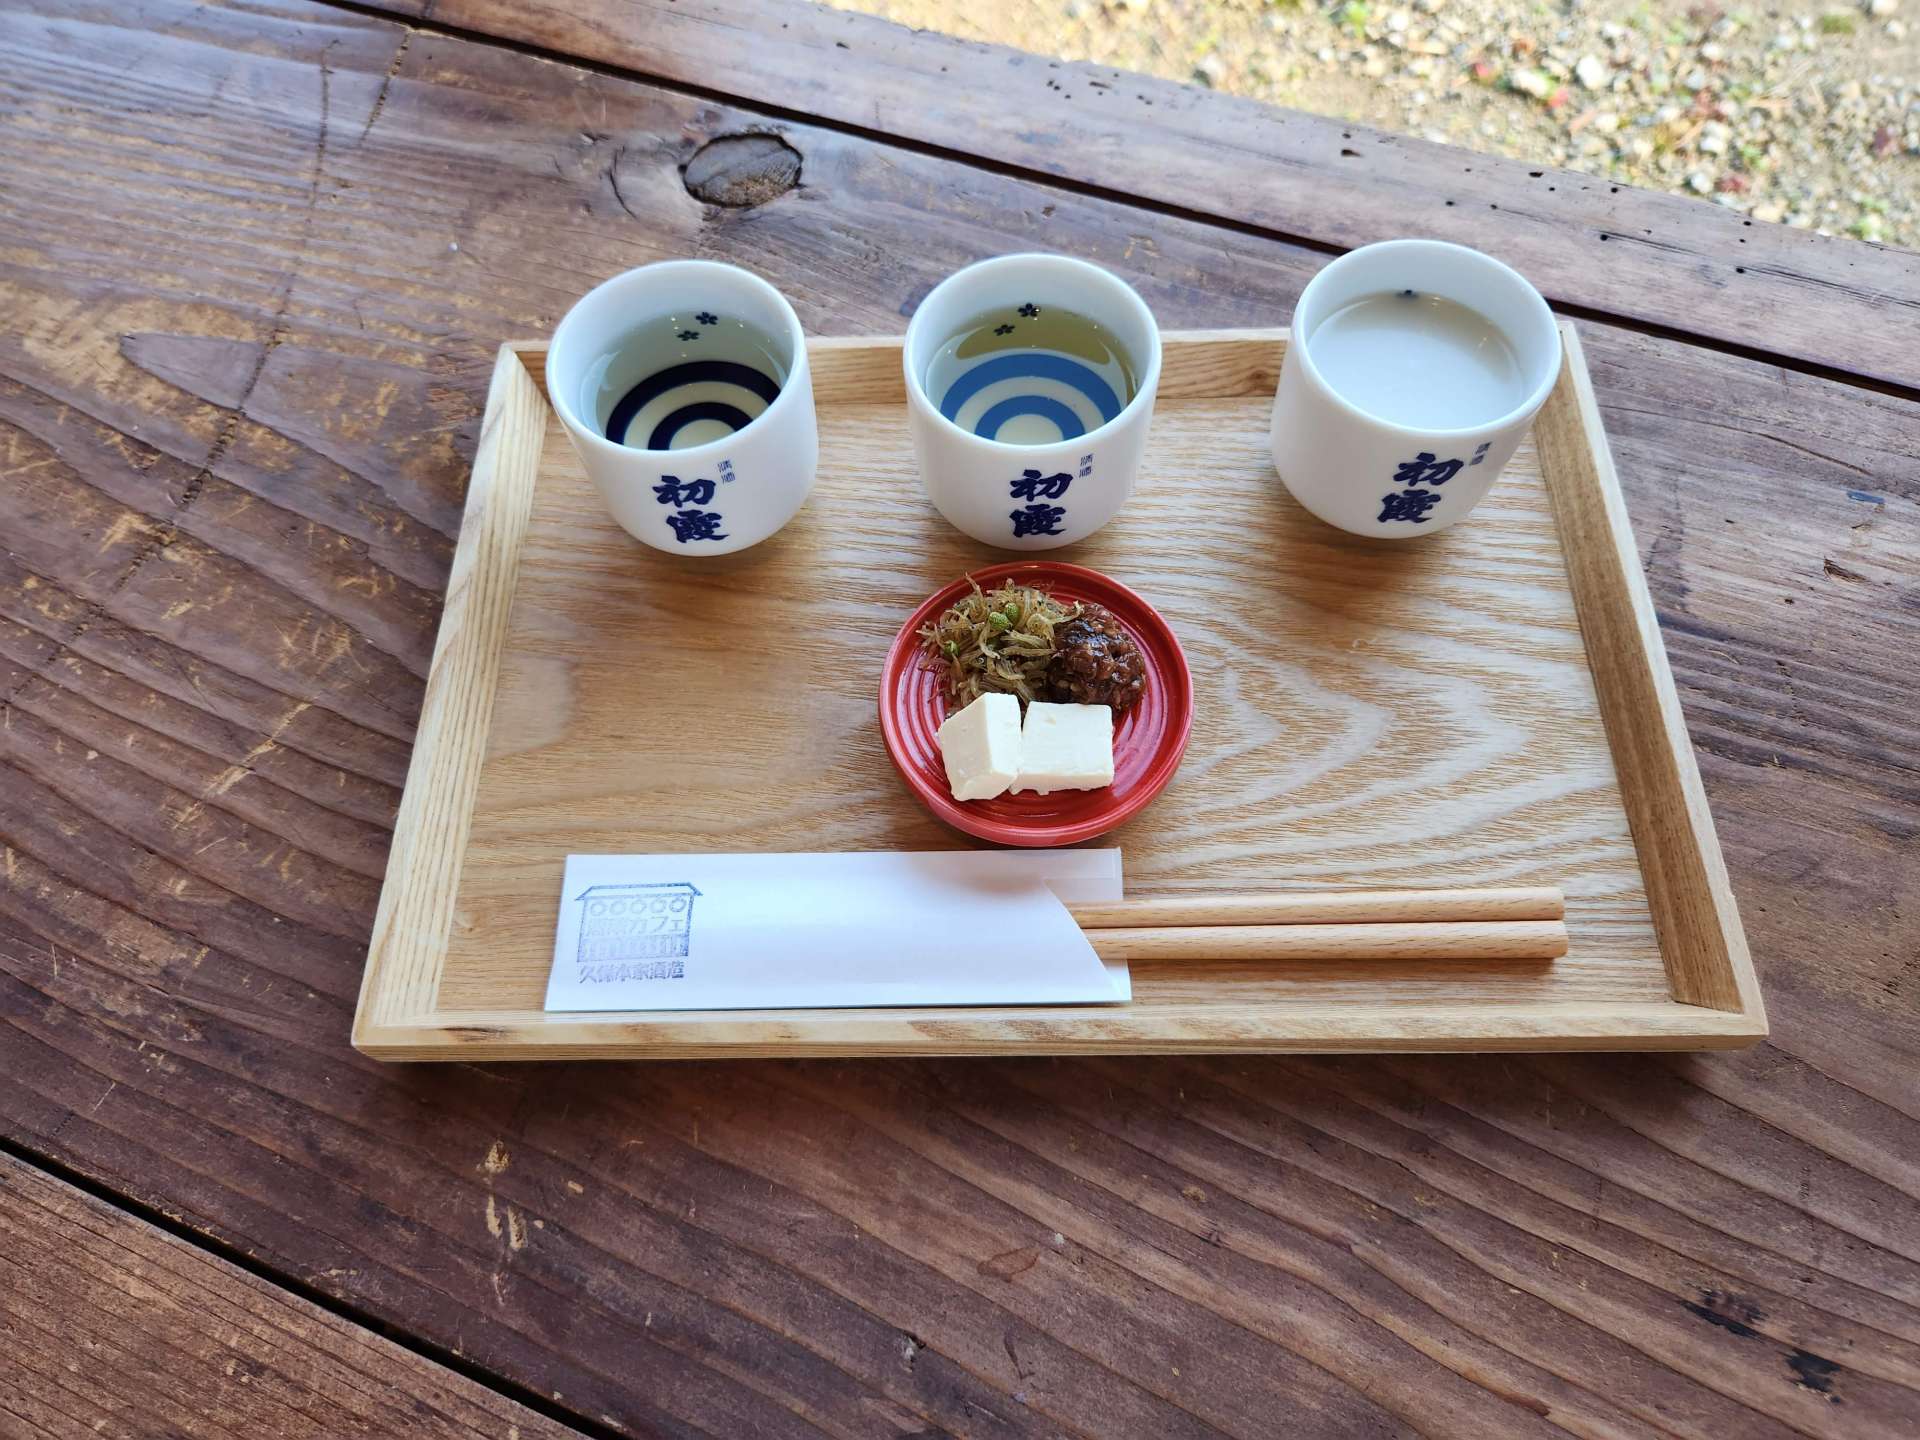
(1030, 387)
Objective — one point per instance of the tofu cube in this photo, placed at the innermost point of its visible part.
(1065, 747)
(980, 747)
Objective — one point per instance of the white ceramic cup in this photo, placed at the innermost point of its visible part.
(1373, 476)
(1041, 496)
(708, 498)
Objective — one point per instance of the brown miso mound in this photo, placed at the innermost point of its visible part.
(1095, 662)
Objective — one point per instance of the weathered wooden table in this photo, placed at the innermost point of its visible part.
(257, 256)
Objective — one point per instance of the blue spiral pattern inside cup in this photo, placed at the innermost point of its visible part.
(1030, 374)
(690, 404)
(1065, 393)
(690, 378)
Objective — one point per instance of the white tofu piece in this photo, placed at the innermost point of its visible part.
(1065, 747)
(980, 747)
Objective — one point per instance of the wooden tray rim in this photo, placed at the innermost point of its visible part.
(1716, 1001)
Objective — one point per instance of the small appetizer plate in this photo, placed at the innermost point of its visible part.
(1148, 740)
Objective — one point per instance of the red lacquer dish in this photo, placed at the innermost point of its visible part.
(1148, 740)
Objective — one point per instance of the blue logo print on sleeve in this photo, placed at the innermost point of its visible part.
(634, 932)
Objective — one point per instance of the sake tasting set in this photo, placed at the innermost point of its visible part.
(1343, 724)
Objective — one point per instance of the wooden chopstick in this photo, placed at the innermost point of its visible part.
(1349, 907)
(1501, 940)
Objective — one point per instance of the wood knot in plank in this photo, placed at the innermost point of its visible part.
(740, 171)
(1010, 1263)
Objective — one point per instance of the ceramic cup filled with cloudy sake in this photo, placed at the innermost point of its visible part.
(685, 389)
(1030, 388)
(1412, 372)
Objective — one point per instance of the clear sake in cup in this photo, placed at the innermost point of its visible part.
(1030, 387)
(685, 389)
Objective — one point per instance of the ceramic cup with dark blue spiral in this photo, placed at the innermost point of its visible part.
(1030, 388)
(686, 391)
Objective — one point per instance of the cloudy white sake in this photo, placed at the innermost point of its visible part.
(1414, 370)
(1423, 361)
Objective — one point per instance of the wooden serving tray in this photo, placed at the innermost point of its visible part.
(1486, 706)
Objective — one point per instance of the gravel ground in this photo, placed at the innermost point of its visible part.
(1800, 114)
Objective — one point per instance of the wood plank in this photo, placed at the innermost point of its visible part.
(860, 1249)
(1672, 262)
(110, 1326)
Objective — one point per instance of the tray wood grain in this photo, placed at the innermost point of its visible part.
(1490, 705)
